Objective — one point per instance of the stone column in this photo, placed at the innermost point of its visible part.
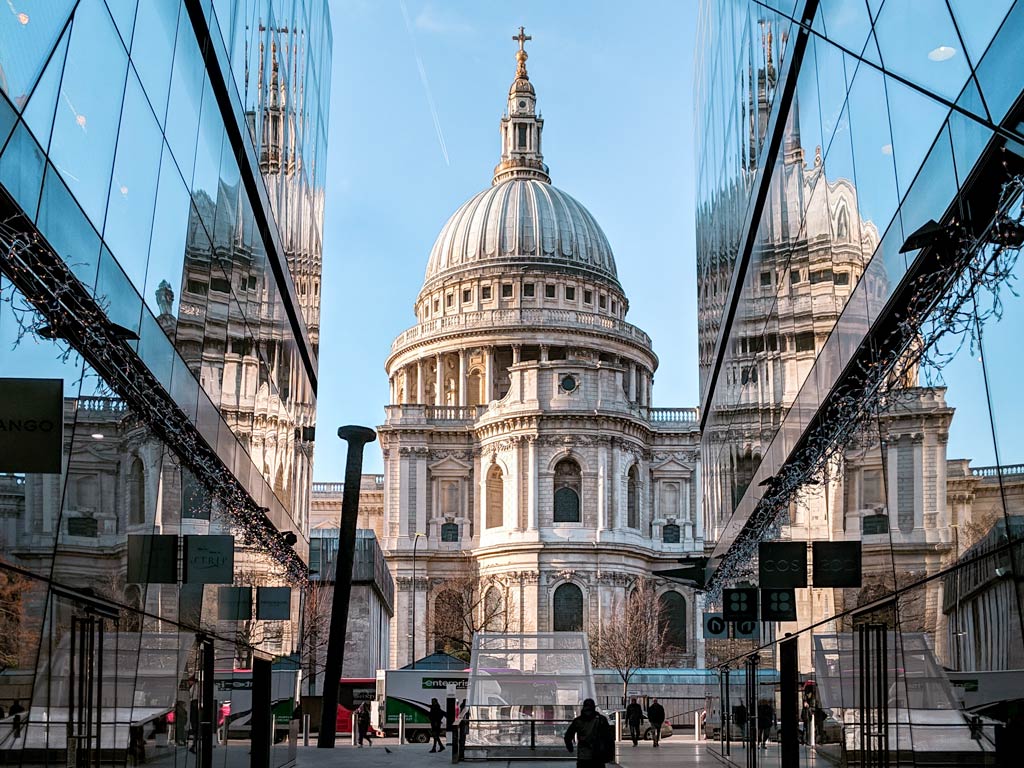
(421, 383)
(489, 376)
(462, 377)
(421, 493)
(391, 386)
(602, 491)
(531, 484)
(543, 353)
(632, 381)
(613, 495)
(439, 380)
(516, 348)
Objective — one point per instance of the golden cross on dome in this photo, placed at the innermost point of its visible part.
(521, 38)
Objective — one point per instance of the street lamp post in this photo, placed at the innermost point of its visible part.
(415, 541)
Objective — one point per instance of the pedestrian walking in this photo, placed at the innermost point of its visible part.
(739, 716)
(805, 723)
(634, 716)
(363, 723)
(16, 712)
(656, 714)
(436, 715)
(765, 720)
(593, 738)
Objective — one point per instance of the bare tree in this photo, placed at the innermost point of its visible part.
(12, 618)
(316, 626)
(632, 635)
(464, 606)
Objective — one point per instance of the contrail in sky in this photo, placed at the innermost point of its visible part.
(426, 83)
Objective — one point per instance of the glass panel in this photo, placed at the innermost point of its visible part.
(844, 22)
(153, 50)
(167, 246)
(978, 23)
(21, 170)
(85, 126)
(123, 12)
(118, 297)
(1005, 55)
(915, 121)
(27, 34)
(62, 223)
(133, 185)
(41, 108)
(8, 117)
(185, 95)
(931, 56)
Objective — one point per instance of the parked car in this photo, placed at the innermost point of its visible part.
(666, 731)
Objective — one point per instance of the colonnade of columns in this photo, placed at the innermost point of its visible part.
(409, 383)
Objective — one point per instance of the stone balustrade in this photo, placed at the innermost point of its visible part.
(519, 318)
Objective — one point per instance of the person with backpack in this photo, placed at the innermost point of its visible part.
(594, 741)
(634, 716)
(656, 714)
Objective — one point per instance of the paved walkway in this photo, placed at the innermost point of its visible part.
(674, 753)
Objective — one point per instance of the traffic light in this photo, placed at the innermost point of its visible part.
(778, 605)
(739, 604)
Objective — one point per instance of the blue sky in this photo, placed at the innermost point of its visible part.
(614, 85)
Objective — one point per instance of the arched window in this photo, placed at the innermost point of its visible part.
(632, 498)
(568, 484)
(843, 225)
(672, 621)
(475, 388)
(568, 609)
(495, 497)
(136, 493)
(449, 621)
(670, 534)
(494, 611)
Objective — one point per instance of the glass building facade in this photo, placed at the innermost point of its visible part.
(161, 217)
(858, 208)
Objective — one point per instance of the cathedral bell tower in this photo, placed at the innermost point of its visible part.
(521, 127)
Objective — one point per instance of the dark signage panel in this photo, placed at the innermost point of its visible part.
(209, 559)
(739, 604)
(778, 605)
(782, 564)
(715, 627)
(234, 603)
(746, 630)
(837, 564)
(152, 559)
(274, 603)
(31, 425)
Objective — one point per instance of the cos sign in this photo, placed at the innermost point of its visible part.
(837, 564)
(782, 564)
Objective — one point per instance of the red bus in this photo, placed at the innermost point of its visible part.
(352, 692)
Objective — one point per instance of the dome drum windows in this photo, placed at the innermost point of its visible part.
(568, 483)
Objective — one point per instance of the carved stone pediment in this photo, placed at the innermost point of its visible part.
(450, 466)
(670, 466)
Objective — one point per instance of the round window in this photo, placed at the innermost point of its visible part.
(569, 383)
(522, 104)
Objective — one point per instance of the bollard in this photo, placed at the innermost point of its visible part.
(696, 725)
(618, 726)
(353, 729)
(305, 730)
(401, 728)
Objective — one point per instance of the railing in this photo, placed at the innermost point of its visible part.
(502, 318)
(328, 487)
(111, 404)
(687, 415)
(1009, 469)
(454, 412)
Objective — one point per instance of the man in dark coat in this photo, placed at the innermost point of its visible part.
(595, 745)
(634, 716)
(656, 714)
(16, 712)
(363, 724)
(765, 719)
(436, 715)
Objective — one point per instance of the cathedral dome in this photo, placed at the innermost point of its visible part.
(522, 222)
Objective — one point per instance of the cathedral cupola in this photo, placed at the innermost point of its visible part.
(521, 127)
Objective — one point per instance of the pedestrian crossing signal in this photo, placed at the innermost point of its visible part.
(778, 605)
(739, 604)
